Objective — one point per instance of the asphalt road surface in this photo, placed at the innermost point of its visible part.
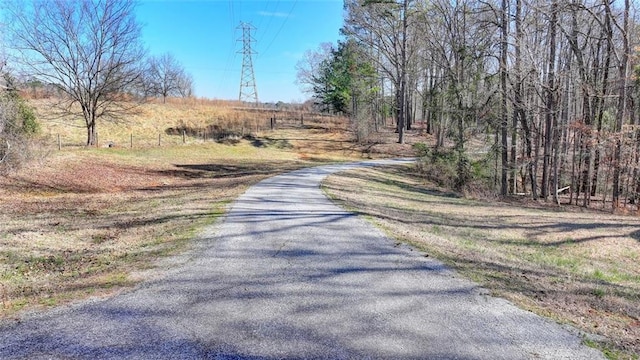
(288, 275)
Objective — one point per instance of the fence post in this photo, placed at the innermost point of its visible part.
(159, 139)
(184, 132)
(59, 143)
(131, 140)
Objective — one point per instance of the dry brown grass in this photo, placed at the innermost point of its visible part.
(580, 267)
(143, 126)
(201, 119)
(86, 221)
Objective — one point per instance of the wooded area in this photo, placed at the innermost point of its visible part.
(551, 84)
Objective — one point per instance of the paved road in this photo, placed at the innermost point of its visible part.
(288, 275)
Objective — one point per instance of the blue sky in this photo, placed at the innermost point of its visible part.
(203, 34)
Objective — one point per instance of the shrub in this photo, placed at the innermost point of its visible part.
(438, 165)
(421, 150)
(30, 125)
(454, 170)
(17, 125)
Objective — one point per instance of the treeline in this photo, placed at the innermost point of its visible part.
(553, 84)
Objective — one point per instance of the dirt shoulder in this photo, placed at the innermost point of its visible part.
(579, 268)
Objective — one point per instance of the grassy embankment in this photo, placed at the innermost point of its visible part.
(577, 266)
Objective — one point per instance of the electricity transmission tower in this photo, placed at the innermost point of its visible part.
(248, 91)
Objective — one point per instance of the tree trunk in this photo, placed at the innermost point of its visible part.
(402, 101)
(622, 102)
(519, 109)
(601, 104)
(503, 103)
(91, 134)
(550, 101)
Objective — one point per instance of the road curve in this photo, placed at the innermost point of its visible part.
(288, 275)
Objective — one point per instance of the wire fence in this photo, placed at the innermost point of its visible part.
(220, 132)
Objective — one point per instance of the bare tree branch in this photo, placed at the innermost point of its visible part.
(90, 50)
(165, 77)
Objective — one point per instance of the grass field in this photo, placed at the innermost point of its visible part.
(161, 124)
(576, 266)
(89, 221)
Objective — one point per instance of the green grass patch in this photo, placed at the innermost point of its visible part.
(117, 279)
(609, 351)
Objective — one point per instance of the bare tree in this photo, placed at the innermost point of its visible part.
(167, 77)
(384, 26)
(621, 111)
(185, 85)
(504, 33)
(550, 102)
(89, 49)
(308, 68)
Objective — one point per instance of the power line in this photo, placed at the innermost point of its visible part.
(263, 15)
(281, 26)
(271, 16)
(248, 90)
(232, 54)
(230, 59)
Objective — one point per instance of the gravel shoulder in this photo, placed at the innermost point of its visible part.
(289, 275)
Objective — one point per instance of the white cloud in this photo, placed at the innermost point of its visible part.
(274, 14)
